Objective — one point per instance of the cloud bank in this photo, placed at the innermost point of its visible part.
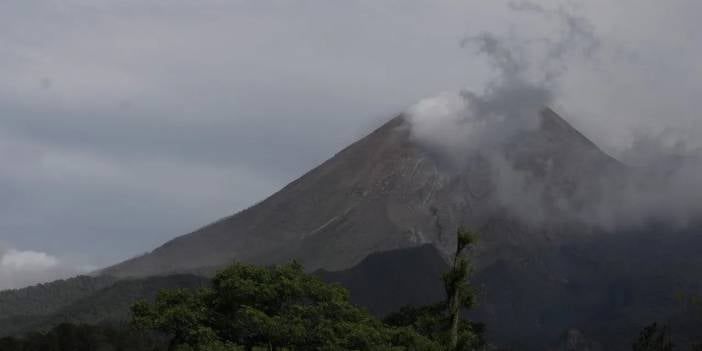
(526, 76)
(659, 172)
(22, 268)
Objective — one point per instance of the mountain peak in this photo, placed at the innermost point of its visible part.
(384, 192)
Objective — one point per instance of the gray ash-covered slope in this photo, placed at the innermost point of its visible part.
(387, 192)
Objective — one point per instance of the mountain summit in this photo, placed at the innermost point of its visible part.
(388, 191)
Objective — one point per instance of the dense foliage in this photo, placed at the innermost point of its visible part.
(434, 323)
(47, 298)
(98, 300)
(279, 307)
(71, 337)
(441, 322)
(282, 307)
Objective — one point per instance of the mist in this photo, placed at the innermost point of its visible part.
(19, 268)
(657, 173)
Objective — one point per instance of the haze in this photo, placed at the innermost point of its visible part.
(124, 124)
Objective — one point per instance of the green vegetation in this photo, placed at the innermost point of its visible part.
(441, 322)
(47, 298)
(457, 291)
(276, 308)
(283, 308)
(246, 308)
(97, 300)
(71, 337)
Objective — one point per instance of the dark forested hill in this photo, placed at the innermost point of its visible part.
(44, 299)
(102, 300)
(382, 283)
(588, 286)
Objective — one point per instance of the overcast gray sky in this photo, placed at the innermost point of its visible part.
(126, 123)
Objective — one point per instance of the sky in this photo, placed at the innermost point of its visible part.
(126, 123)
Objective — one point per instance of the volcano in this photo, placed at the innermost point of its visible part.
(385, 192)
(542, 269)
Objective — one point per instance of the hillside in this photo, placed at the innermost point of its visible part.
(589, 288)
(104, 300)
(385, 192)
(45, 299)
(382, 283)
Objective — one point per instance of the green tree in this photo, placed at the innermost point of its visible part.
(179, 313)
(441, 322)
(283, 306)
(278, 307)
(458, 293)
(72, 337)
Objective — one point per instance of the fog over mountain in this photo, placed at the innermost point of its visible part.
(528, 76)
(125, 124)
(22, 268)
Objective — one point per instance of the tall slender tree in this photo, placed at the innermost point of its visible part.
(458, 293)
(441, 322)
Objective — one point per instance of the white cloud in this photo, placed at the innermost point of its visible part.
(27, 261)
(20, 268)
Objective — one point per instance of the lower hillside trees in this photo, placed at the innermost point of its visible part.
(283, 308)
(442, 322)
(273, 308)
(74, 337)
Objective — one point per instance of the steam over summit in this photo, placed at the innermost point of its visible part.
(401, 186)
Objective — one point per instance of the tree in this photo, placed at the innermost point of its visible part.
(178, 313)
(441, 322)
(73, 337)
(458, 294)
(654, 338)
(283, 306)
(273, 308)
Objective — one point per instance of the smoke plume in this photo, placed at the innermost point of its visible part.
(655, 179)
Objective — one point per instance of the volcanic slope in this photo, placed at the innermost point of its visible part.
(387, 192)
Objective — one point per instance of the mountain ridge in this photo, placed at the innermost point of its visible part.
(383, 192)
